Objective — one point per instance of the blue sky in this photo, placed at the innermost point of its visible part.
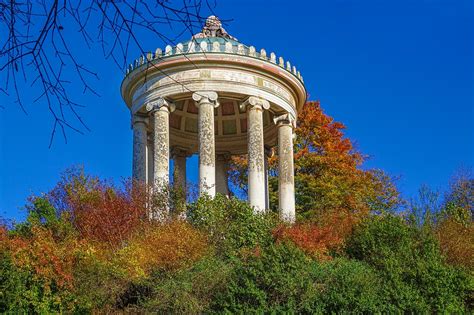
(399, 74)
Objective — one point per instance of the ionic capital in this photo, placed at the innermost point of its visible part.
(255, 102)
(205, 97)
(285, 120)
(160, 104)
(179, 152)
(139, 119)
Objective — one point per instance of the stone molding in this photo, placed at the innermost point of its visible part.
(221, 81)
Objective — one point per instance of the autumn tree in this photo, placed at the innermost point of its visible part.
(455, 228)
(328, 173)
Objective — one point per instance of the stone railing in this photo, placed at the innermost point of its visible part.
(208, 45)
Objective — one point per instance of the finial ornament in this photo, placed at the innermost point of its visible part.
(213, 28)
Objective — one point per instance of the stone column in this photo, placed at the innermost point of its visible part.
(139, 169)
(149, 158)
(256, 153)
(179, 180)
(268, 154)
(222, 167)
(160, 111)
(206, 101)
(286, 180)
(179, 173)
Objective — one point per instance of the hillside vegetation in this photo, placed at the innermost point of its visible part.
(87, 246)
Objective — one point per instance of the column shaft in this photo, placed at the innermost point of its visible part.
(256, 156)
(161, 148)
(139, 168)
(149, 162)
(256, 152)
(286, 181)
(206, 101)
(267, 192)
(179, 180)
(179, 172)
(222, 167)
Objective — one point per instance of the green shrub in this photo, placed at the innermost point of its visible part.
(276, 279)
(415, 277)
(231, 224)
(347, 286)
(189, 291)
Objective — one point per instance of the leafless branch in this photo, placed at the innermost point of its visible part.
(40, 52)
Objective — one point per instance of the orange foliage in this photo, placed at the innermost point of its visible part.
(3, 233)
(318, 240)
(49, 259)
(319, 133)
(457, 242)
(167, 246)
(327, 173)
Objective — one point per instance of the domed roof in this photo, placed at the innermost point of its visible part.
(213, 38)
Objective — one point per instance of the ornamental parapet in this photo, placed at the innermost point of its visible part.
(211, 45)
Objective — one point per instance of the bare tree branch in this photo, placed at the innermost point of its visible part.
(38, 48)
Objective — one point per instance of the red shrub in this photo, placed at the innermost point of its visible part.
(318, 240)
(110, 215)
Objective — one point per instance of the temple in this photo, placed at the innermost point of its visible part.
(216, 97)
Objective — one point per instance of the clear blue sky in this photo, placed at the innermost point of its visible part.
(399, 74)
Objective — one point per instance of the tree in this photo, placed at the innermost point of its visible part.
(328, 177)
(455, 228)
(39, 45)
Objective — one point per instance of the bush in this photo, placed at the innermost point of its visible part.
(348, 286)
(416, 279)
(231, 224)
(35, 274)
(281, 279)
(188, 291)
(167, 246)
(275, 279)
(320, 240)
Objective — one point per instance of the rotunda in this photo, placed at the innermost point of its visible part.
(216, 97)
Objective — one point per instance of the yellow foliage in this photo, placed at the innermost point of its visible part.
(166, 246)
(457, 242)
